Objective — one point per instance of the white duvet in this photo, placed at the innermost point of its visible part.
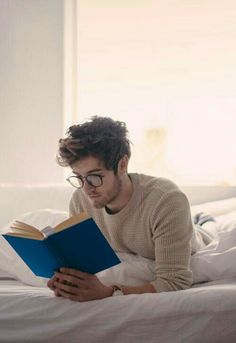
(214, 262)
(217, 261)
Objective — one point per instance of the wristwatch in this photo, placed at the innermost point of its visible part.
(117, 290)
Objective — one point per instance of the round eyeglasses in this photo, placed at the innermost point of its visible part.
(92, 179)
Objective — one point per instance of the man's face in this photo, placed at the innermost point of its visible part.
(107, 193)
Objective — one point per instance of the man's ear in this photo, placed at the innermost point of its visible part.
(123, 165)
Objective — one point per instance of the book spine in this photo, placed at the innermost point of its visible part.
(48, 231)
(59, 258)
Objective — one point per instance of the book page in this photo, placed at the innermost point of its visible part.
(18, 228)
(71, 221)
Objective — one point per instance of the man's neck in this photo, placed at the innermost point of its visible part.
(123, 198)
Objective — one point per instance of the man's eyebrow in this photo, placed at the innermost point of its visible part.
(92, 171)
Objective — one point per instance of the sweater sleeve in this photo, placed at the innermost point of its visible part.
(75, 206)
(172, 231)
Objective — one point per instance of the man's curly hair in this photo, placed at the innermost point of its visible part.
(100, 137)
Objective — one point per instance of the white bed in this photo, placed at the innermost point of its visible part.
(204, 313)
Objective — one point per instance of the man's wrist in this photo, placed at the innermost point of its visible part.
(110, 291)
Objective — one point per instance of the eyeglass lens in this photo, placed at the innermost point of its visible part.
(92, 180)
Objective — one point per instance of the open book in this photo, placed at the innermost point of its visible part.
(77, 243)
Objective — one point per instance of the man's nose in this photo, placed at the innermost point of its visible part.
(87, 187)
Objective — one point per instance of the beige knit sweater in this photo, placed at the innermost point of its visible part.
(156, 223)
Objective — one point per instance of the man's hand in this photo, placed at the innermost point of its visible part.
(78, 286)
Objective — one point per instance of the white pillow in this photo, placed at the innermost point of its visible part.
(11, 263)
(5, 275)
(132, 271)
(216, 261)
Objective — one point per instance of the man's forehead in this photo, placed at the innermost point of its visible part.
(87, 165)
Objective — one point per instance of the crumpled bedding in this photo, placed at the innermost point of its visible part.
(215, 261)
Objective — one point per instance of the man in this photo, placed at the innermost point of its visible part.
(138, 214)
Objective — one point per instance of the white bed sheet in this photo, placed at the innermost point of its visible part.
(205, 313)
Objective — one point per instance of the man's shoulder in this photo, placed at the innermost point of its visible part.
(76, 194)
(160, 193)
(80, 203)
(153, 183)
(78, 198)
(159, 190)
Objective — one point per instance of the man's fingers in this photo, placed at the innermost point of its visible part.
(70, 296)
(69, 279)
(50, 283)
(71, 289)
(75, 272)
(57, 293)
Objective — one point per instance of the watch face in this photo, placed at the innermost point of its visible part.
(117, 292)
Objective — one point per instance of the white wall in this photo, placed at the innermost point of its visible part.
(31, 81)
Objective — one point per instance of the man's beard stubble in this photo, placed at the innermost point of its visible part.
(110, 197)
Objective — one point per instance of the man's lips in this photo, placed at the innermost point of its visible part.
(93, 195)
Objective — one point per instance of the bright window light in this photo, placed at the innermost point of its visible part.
(166, 68)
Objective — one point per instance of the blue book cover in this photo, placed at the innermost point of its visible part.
(80, 246)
